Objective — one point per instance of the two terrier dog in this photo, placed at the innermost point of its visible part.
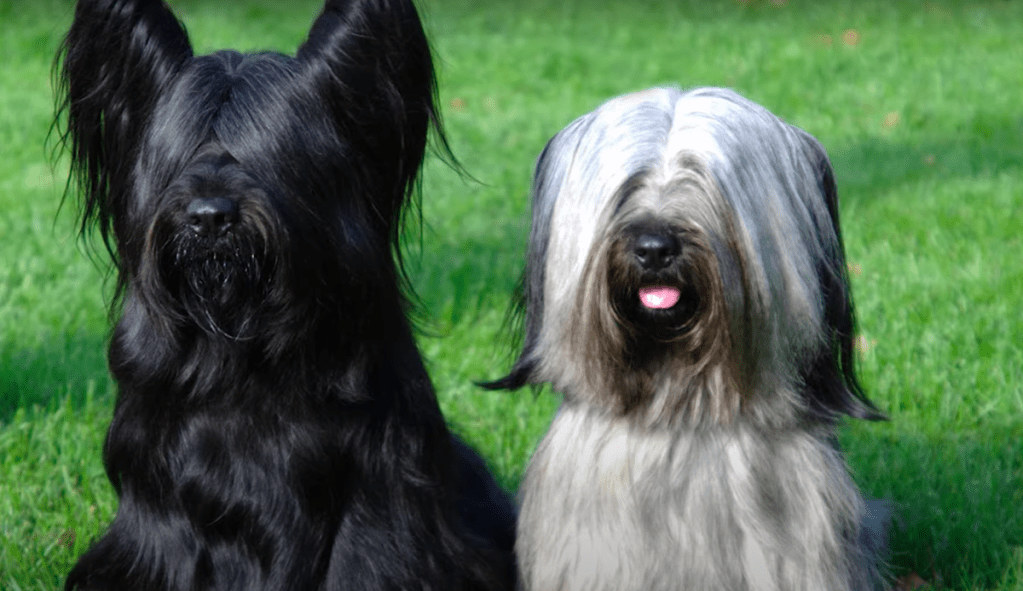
(275, 428)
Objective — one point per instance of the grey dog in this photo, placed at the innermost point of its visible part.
(686, 291)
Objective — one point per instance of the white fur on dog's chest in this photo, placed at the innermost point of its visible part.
(611, 507)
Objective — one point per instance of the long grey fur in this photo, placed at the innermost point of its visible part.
(701, 460)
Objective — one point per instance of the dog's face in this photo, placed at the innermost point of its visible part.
(686, 265)
(237, 191)
(243, 210)
(213, 243)
(659, 279)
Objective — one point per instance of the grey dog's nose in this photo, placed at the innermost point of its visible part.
(211, 216)
(655, 251)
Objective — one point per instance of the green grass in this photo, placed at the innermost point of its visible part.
(920, 116)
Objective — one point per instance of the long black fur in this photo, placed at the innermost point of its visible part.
(275, 427)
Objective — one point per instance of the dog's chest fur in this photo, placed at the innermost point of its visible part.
(609, 506)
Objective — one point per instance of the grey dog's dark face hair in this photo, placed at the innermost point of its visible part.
(745, 207)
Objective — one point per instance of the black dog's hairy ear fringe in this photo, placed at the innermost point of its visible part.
(116, 60)
(381, 88)
(372, 69)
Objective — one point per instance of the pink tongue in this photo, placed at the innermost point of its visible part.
(658, 297)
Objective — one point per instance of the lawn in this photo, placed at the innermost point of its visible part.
(917, 103)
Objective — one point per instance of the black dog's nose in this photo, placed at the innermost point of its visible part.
(211, 216)
(655, 251)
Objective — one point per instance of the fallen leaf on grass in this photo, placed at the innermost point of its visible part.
(67, 539)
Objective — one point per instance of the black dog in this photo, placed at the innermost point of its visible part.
(275, 427)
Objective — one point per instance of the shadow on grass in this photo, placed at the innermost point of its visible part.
(68, 365)
(989, 145)
(959, 515)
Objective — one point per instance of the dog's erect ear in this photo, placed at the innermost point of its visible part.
(369, 62)
(117, 59)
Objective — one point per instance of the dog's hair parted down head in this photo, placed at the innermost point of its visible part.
(738, 214)
(686, 292)
(275, 427)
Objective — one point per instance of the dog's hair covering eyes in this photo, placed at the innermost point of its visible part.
(686, 292)
(275, 427)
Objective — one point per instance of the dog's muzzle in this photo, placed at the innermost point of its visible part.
(213, 259)
(212, 217)
(655, 252)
